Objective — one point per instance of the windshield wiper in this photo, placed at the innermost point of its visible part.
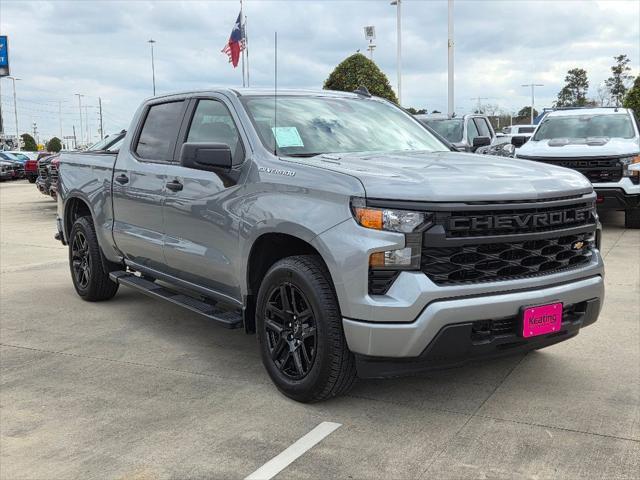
(302, 155)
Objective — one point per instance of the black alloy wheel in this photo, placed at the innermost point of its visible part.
(290, 331)
(80, 258)
(90, 278)
(299, 330)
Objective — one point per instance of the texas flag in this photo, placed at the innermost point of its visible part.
(236, 43)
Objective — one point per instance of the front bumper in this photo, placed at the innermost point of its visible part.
(410, 340)
(43, 186)
(616, 199)
(461, 343)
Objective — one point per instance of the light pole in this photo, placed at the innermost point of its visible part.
(450, 47)
(533, 86)
(80, 112)
(15, 109)
(398, 4)
(153, 67)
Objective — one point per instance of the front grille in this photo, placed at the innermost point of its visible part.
(53, 174)
(43, 171)
(486, 330)
(489, 262)
(597, 170)
(475, 223)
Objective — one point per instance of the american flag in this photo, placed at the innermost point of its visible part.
(236, 43)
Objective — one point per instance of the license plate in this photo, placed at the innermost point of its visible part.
(541, 319)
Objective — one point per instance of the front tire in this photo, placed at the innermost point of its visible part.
(31, 180)
(90, 280)
(632, 218)
(299, 329)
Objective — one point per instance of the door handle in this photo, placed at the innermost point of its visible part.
(122, 179)
(174, 186)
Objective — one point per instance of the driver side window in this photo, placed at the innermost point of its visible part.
(472, 131)
(212, 123)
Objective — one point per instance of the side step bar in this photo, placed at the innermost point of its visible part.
(211, 310)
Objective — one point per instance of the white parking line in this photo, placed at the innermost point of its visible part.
(283, 460)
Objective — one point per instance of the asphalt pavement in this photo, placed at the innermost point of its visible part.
(136, 388)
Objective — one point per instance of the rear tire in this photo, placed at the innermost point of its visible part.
(301, 339)
(632, 218)
(90, 280)
(32, 180)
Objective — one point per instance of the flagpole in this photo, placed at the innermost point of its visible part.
(241, 30)
(246, 41)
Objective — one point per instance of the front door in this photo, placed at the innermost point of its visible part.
(139, 186)
(201, 243)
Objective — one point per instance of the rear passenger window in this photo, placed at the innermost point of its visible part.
(160, 131)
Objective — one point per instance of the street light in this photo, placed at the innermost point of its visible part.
(15, 109)
(153, 67)
(80, 111)
(398, 5)
(533, 86)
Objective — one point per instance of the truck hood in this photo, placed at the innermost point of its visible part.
(453, 176)
(583, 147)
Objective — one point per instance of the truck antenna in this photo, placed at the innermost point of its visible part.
(275, 98)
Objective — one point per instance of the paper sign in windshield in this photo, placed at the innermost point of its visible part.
(287, 137)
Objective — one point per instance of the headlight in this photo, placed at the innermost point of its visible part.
(408, 222)
(392, 220)
(630, 166)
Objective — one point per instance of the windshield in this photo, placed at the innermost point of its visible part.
(308, 126)
(584, 126)
(9, 156)
(450, 129)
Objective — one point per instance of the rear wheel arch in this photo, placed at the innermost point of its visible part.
(75, 208)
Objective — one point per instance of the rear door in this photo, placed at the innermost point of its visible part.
(139, 184)
(202, 235)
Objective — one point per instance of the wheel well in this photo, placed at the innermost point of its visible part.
(267, 250)
(75, 209)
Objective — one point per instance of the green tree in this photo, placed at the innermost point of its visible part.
(526, 112)
(54, 145)
(619, 79)
(29, 143)
(357, 71)
(632, 98)
(416, 111)
(574, 92)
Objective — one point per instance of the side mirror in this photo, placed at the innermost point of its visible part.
(509, 149)
(206, 156)
(481, 142)
(518, 141)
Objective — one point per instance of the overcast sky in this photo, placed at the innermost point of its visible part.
(60, 48)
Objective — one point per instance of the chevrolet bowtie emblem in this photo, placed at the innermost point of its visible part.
(579, 245)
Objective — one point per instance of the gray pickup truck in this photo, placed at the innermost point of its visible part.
(338, 229)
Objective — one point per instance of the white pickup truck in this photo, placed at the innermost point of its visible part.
(601, 143)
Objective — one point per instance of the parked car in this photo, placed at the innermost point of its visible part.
(7, 170)
(43, 182)
(600, 143)
(31, 166)
(350, 249)
(467, 133)
(525, 131)
(18, 163)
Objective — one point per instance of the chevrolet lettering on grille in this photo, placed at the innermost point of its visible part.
(522, 221)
